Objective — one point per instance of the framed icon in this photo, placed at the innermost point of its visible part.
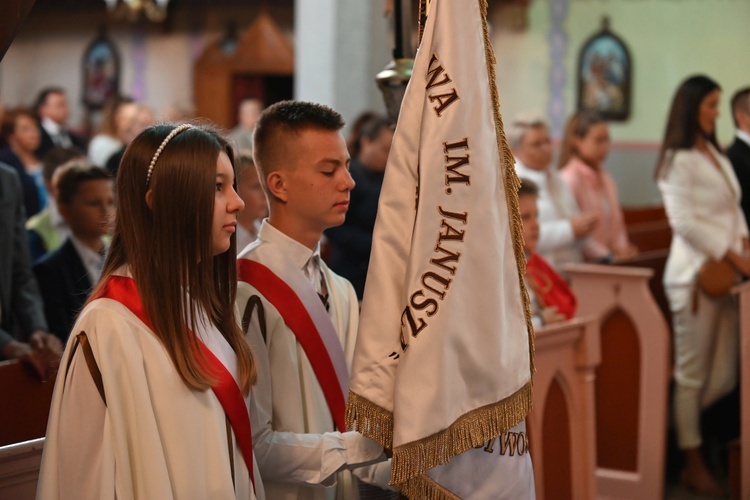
(101, 73)
(604, 75)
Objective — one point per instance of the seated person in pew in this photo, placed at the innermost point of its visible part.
(552, 300)
(66, 276)
(584, 150)
(564, 230)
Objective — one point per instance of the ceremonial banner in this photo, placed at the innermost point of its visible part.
(444, 356)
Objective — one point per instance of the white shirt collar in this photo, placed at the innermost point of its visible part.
(298, 253)
(91, 259)
(51, 126)
(538, 177)
(743, 136)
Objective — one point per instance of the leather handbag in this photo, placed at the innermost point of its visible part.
(716, 278)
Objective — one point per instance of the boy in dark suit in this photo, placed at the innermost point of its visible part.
(67, 275)
(739, 151)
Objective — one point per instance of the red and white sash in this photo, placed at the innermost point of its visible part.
(124, 290)
(289, 291)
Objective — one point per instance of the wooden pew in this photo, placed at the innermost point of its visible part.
(562, 426)
(648, 229)
(26, 402)
(632, 379)
(19, 469)
(743, 292)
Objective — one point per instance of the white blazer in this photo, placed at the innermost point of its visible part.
(703, 207)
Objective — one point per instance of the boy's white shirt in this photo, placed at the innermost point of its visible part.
(294, 436)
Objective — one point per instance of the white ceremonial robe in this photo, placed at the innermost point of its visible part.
(155, 438)
(294, 436)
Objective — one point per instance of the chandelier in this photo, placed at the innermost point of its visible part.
(153, 10)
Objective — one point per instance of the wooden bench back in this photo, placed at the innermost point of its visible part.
(26, 401)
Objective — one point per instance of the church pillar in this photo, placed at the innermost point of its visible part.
(339, 47)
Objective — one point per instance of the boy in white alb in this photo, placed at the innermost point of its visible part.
(300, 317)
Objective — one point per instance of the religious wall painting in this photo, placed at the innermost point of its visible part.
(101, 73)
(604, 75)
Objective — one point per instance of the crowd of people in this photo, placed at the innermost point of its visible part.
(131, 250)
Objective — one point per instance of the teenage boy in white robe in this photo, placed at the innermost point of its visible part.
(300, 317)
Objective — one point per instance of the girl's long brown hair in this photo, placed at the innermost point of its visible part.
(168, 246)
(578, 125)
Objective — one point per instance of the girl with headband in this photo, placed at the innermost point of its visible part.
(152, 397)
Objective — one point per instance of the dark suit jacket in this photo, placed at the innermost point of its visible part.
(351, 242)
(31, 202)
(739, 155)
(19, 295)
(47, 143)
(65, 286)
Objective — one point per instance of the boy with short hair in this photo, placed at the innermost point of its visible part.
(85, 198)
(300, 317)
(47, 229)
(552, 300)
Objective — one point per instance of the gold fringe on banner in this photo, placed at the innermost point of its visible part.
(512, 183)
(471, 429)
(425, 488)
(365, 417)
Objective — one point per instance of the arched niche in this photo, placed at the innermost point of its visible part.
(556, 454)
(618, 390)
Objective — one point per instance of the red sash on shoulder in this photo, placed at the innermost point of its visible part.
(550, 288)
(298, 319)
(124, 290)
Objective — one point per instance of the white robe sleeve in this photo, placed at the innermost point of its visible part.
(309, 459)
(84, 432)
(293, 457)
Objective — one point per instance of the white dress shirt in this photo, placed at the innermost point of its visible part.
(556, 204)
(92, 260)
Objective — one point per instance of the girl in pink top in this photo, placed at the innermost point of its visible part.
(585, 147)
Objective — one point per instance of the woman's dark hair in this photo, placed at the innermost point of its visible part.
(682, 124)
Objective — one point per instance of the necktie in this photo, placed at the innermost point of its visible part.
(62, 140)
(315, 274)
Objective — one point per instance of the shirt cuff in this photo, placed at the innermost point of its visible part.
(361, 450)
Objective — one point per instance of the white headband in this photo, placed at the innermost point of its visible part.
(166, 140)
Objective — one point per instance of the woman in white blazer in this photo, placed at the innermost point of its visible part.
(701, 196)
